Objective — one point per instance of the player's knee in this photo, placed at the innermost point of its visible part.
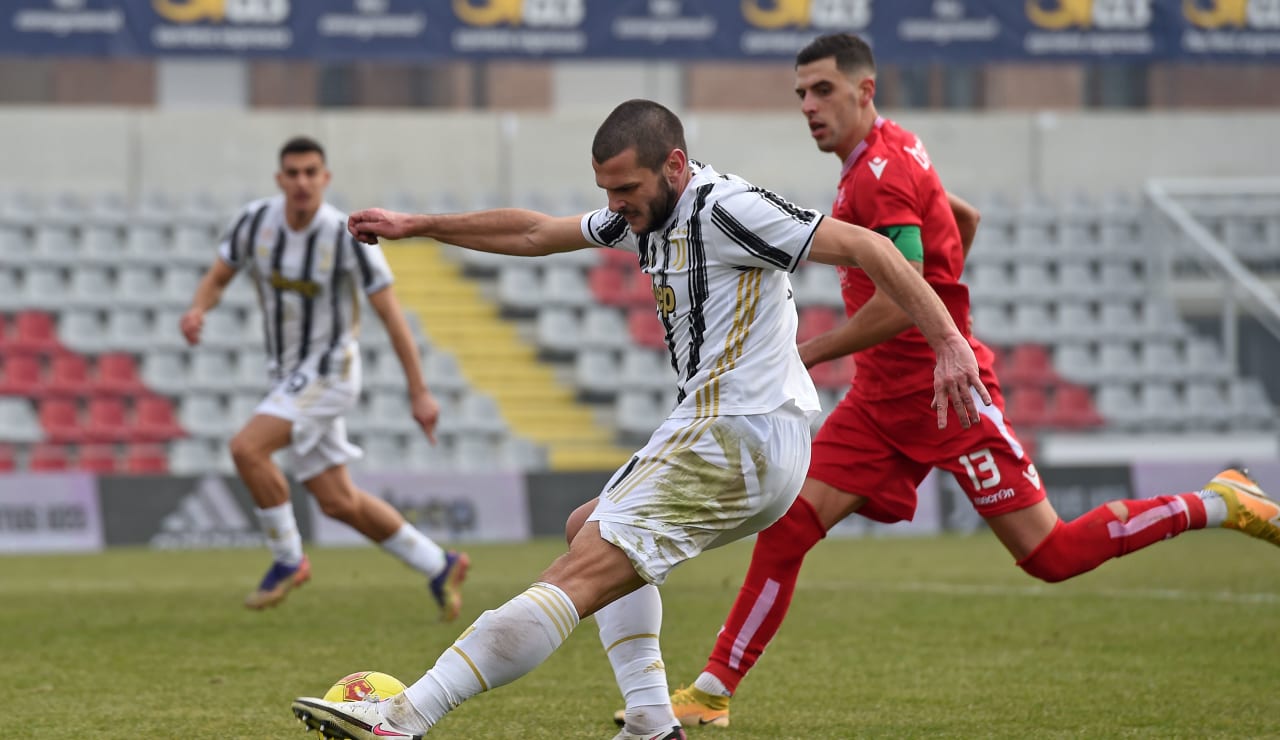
(244, 452)
(792, 536)
(577, 520)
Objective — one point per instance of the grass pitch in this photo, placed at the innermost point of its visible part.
(887, 638)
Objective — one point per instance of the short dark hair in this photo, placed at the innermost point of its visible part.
(301, 145)
(850, 51)
(651, 128)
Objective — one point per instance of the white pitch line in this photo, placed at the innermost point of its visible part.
(974, 589)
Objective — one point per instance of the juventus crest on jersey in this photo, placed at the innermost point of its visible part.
(306, 282)
(720, 268)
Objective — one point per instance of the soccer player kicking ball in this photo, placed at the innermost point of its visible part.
(730, 458)
(870, 454)
(306, 269)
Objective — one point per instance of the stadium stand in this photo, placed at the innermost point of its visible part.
(561, 362)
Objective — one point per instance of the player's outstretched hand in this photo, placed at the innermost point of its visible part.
(190, 324)
(426, 411)
(371, 223)
(955, 373)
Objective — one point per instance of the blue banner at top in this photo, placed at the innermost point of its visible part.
(901, 31)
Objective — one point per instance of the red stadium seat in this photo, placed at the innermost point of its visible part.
(61, 420)
(639, 291)
(47, 457)
(106, 421)
(68, 376)
(153, 420)
(97, 458)
(836, 373)
(146, 459)
(646, 329)
(619, 259)
(607, 285)
(21, 376)
(1073, 408)
(815, 320)
(1027, 407)
(1029, 364)
(8, 458)
(33, 333)
(117, 375)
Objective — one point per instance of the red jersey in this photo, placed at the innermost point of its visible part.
(888, 180)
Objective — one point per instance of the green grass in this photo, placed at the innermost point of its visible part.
(887, 638)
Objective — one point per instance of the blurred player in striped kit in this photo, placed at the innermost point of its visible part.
(306, 270)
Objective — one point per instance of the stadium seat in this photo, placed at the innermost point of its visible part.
(646, 369)
(18, 422)
(137, 285)
(1162, 407)
(117, 374)
(145, 459)
(61, 420)
(639, 412)
(520, 288)
(97, 458)
(68, 376)
(204, 416)
(80, 329)
(1117, 361)
(442, 372)
(154, 421)
(1249, 404)
(646, 329)
(91, 287)
(1076, 361)
(212, 371)
(607, 285)
(33, 332)
(815, 320)
(106, 420)
(101, 244)
(47, 457)
(165, 372)
(52, 245)
(193, 456)
(556, 330)
(1029, 364)
(42, 287)
(21, 376)
(603, 327)
(833, 373)
(1119, 404)
(639, 290)
(479, 414)
(8, 458)
(477, 453)
(1207, 405)
(10, 290)
(1072, 408)
(1027, 407)
(389, 413)
(565, 285)
(618, 259)
(817, 285)
(596, 373)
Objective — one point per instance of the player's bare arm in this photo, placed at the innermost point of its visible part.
(208, 293)
(513, 231)
(423, 405)
(967, 218)
(878, 320)
(839, 243)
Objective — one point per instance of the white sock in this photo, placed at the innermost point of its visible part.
(1215, 509)
(499, 647)
(416, 549)
(281, 531)
(629, 629)
(711, 685)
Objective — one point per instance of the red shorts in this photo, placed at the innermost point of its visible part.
(881, 450)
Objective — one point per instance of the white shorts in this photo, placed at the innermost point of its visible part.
(702, 483)
(315, 405)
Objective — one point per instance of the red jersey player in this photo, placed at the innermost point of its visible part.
(871, 452)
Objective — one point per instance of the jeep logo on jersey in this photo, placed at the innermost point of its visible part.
(822, 14)
(534, 13)
(1100, 14)
(219, 11)
(1215, 14)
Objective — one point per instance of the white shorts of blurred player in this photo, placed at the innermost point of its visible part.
(702, 483)
(315, 404)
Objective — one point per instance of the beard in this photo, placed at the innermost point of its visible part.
(660, 207)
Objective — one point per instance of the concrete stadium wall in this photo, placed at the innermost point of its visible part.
(505, 157)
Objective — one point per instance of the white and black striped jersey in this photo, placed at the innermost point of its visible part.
(720, 268)
(306, 282)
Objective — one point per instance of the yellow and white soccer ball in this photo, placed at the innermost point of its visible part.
(362, 685)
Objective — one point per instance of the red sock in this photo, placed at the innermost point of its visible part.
(1083, 544)
(766, 594)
